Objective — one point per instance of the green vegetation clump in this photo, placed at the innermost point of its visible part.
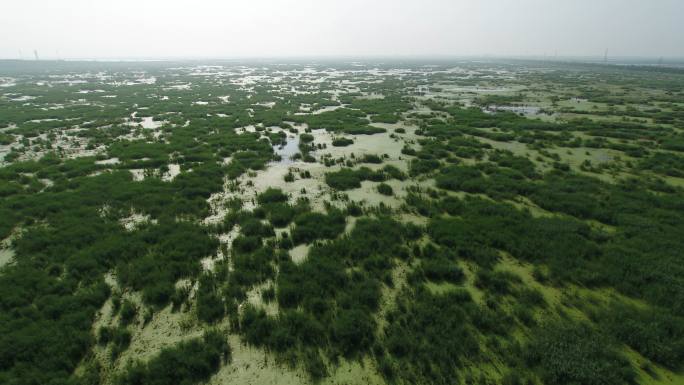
(121, 339)
(342, 142)
(278, 211)
(483, 227)
(347, 179)
(128, 312)
(271, 195)
(371, 158)
(324, 305)
(8, 139)
(442, 270)
(178, 247)
(311, 226)
(422, 166)
(576, 354)
(344, 120)
(665, 164)
(210, 305)
(431, 338)
(654, 333)
(189, 362)
(385, 189)
(306, 138)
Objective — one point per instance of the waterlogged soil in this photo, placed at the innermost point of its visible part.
(467, 88)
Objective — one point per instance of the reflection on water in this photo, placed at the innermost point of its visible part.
(525, 110)
(288, 150)
(149, 123)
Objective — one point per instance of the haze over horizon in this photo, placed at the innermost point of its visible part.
(287, 28)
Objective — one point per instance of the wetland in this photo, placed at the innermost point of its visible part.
(381, 222)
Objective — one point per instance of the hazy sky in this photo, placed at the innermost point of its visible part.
(275, 28)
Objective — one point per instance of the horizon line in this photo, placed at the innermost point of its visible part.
(161, 58)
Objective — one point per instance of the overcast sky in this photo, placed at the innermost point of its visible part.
(277, 28)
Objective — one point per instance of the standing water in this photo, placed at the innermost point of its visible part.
(288, 150)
